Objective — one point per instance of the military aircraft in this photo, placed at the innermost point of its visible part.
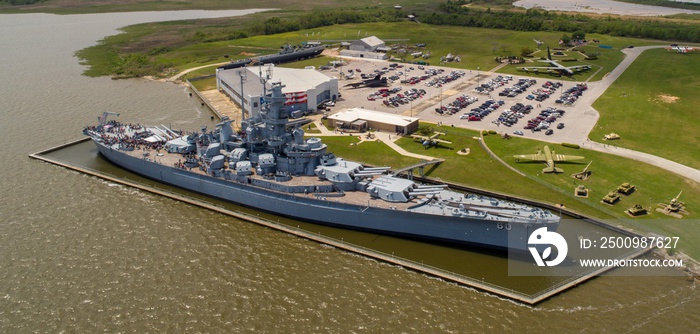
(681, 49)
(433, 140)
(554, 66)
(377, 81)
(549, 157)
(539, 43)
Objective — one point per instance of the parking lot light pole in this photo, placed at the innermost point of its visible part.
(478, 83)
(561, 85)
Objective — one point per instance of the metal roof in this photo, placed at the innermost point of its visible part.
(372, 41)
(294, 79)
(354, 114)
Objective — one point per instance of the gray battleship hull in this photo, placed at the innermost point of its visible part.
(332, 211)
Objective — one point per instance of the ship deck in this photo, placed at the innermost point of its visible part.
(349, 197)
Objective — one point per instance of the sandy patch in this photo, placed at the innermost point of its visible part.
(330, 53)
(667, 98)
(602, 7)
(247, 53)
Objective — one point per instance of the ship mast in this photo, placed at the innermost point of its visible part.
(266, 78)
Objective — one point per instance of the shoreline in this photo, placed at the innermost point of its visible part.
(602, 7)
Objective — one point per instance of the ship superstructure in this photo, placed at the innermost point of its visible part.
(272, 166)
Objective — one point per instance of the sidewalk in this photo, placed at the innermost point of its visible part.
(384, 137)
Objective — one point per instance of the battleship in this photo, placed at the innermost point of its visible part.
(270, 165)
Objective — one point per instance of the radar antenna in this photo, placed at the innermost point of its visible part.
(266, 78)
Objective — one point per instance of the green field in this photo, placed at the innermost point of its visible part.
(653, 107)
(478, 47)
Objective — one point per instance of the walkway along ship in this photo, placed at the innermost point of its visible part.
(271, 166)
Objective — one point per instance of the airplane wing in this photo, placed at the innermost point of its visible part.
(530, 157)
(562, 157)
(534, 68)
(579, 67)
(442, 141)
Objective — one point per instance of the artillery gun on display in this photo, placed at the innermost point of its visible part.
(675, 208)
(583, 175)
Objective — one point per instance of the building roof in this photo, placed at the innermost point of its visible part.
(294, 79)
(354, 114)
(372, 41)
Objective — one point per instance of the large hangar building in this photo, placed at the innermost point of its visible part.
(305, 88)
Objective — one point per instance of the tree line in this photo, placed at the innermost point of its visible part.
(20, 2)
(453, 12)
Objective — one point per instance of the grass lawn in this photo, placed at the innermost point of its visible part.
(370, 152)
(653, 107)
(311, 129)
(653, 185)
(204, 84)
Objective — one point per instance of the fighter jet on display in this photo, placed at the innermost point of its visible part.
(549, 157)
(554, 66)
(377, 81)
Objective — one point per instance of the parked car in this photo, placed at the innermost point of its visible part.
(549, 132)
(518, 132)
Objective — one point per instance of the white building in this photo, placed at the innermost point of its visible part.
(359, 119)
(305, 88)
(368, 47)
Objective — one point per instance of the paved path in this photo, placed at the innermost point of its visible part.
(176, 77)
(385, 137)
(594, 93)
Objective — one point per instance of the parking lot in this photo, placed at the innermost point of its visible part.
(535, 107)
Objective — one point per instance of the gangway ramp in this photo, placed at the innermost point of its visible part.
(420, 166)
